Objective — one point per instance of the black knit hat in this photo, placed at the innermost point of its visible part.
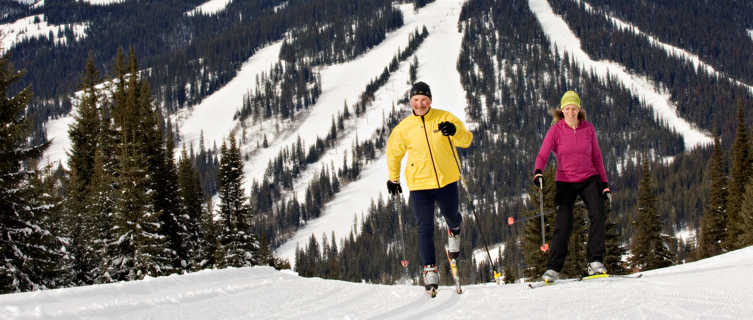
(420, 88)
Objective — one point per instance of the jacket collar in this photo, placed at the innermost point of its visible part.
(562, 124)
(425, 116)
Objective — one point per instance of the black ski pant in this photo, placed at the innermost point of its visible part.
(564, 198)
(422, 202)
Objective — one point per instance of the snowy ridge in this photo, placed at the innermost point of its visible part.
(210, 7)
(559, 33)
(670, 49)
(36, 27)
(103, 2)
(710, 288)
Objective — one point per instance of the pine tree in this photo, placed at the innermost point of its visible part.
(740, 172)
(746, 213)
(714, 214)
(195, 234)
(511, 257)
(100, 208)
(30, 252)
(138, 248)
(614, 249)
(535, 258)
(164, 182)
(238, 243)
(84, 134)
(648, 249)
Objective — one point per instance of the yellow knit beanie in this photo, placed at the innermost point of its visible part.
(569, 98)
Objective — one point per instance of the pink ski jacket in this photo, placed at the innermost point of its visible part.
(577, 152)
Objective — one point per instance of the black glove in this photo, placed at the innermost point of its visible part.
(394, 188)
(538, 178)
(447, 128)
(606, 194)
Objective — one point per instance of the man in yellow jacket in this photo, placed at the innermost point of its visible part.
(429, 137)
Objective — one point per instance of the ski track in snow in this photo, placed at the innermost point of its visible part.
(712, 288)
(558, 32)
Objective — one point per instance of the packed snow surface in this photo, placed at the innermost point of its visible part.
(714, 288)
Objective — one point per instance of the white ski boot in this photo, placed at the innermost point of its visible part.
(453, 243)
(431, 280)
(550, 276)
(596, 267)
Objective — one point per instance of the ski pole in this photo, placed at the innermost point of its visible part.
(544, 246)
(492, 265)
(495, 273)
(404, 261)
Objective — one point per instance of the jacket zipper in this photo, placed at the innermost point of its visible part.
(426, 134)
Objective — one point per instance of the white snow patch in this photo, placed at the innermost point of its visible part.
(103, 2)
(210, 7)
(480, 254)
(559, 33)
(678, 292)
(35, 27)
(214, 115)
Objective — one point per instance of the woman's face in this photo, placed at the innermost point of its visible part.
(571, 112)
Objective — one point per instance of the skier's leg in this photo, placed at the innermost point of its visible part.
(591, 195)
(447, 198)
(448, 205)
(422, 203)
(564, 197)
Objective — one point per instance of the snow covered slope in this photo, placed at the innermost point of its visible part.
(715, 288)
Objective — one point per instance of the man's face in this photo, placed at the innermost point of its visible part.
(420, 104)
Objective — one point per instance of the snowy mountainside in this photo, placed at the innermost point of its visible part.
(712, 288)
(437, 56)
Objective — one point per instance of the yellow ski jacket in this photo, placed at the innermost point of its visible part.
(432, 159)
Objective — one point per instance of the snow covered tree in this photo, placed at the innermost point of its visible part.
(535, 258)
(138, 248)
(649, 250)
(30, 251)
(715, 212)
(236, 239)
(84, 134)
(614, 249)
(166, 197)
(740, 173)
(194, 235)
(100, 210)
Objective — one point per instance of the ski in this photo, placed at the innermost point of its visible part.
(540, 284)
(623, 276)
(455, 272)
(534, 285)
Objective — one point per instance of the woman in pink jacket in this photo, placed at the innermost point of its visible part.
(580, 171)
